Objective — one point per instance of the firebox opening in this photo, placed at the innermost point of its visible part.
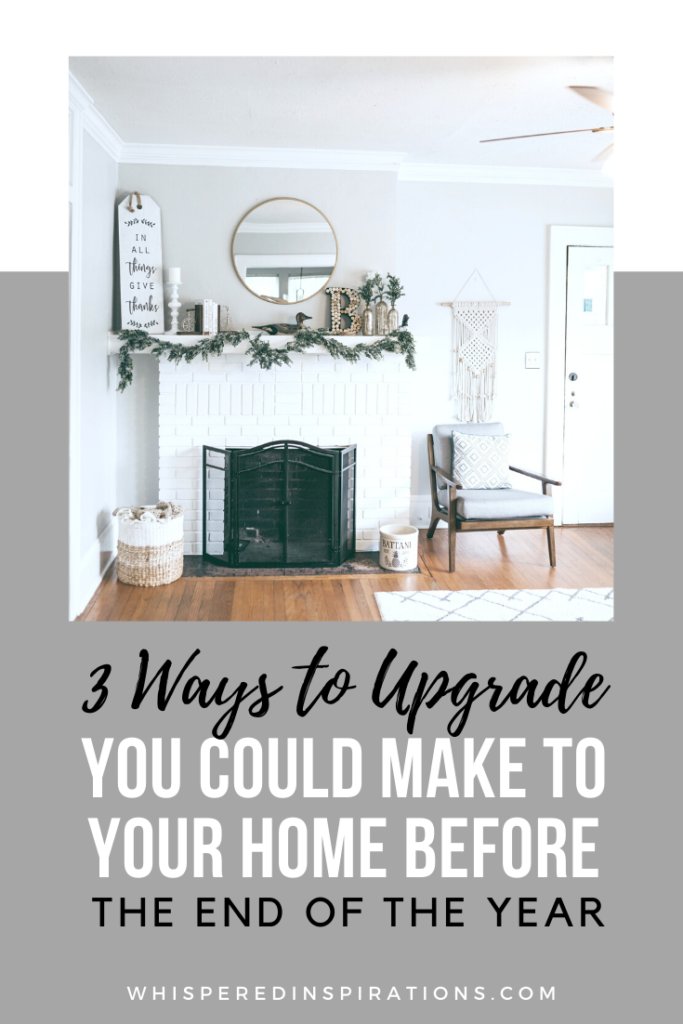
(284, 503)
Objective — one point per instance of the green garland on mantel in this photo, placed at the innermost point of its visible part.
(400, 341)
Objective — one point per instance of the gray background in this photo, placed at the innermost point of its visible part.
(63, 965)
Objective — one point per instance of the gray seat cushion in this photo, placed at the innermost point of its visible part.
(443, 442)
(506, 503)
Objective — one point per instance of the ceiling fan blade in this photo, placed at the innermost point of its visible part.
(600, 96)
(605, 153)
(537, 135)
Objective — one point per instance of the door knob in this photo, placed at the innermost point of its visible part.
(573, 405)
(573, 376)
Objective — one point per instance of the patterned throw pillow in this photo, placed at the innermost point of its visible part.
(480, 461)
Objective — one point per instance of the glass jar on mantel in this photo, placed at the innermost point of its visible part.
(381, 317)
(393, 319)
(368, 321)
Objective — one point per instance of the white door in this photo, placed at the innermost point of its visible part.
(588, 478)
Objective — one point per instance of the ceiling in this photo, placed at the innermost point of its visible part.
(433, 109)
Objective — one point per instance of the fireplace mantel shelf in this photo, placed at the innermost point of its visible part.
(277, 341)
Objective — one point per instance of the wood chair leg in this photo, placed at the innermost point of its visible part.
(550, 530)
(432, 527)
(451, 530)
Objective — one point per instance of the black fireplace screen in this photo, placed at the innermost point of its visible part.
(285, 503)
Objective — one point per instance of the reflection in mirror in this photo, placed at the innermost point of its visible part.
(284, 250)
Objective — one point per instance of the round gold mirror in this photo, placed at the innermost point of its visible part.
(284, 251)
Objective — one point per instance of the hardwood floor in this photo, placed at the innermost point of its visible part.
(516, 561)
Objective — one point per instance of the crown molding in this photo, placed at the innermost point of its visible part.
(256, 156)
(93, 122)
(78, 97)
(477, 174)
(355, 160)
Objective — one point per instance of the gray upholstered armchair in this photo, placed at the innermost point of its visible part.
(465, 510)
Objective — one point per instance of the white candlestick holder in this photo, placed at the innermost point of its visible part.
(174, 305)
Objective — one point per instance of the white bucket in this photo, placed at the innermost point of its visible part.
(398, 547)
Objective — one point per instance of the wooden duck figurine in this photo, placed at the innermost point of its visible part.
(284, 328)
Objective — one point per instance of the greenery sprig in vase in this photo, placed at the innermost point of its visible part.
(394, 291)
(367, 293)
(381, 308)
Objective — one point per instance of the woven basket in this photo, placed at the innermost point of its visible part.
(150, 552)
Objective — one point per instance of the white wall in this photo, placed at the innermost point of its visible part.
(446, 230)
(432, 234)
(200, 210)
(98, 383)
(202, 206)
(137, 435)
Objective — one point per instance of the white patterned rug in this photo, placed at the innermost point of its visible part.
(587, 605)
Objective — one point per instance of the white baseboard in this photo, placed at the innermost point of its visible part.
(94, 564)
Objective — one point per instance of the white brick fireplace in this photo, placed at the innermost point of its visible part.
(318, 399)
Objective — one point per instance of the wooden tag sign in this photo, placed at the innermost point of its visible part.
(140, 265)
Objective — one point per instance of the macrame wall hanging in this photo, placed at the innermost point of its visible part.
(475, 345)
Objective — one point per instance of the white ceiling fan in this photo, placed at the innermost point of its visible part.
(602, 99)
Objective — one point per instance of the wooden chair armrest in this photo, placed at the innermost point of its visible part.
(536, 476)
(444, 475)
